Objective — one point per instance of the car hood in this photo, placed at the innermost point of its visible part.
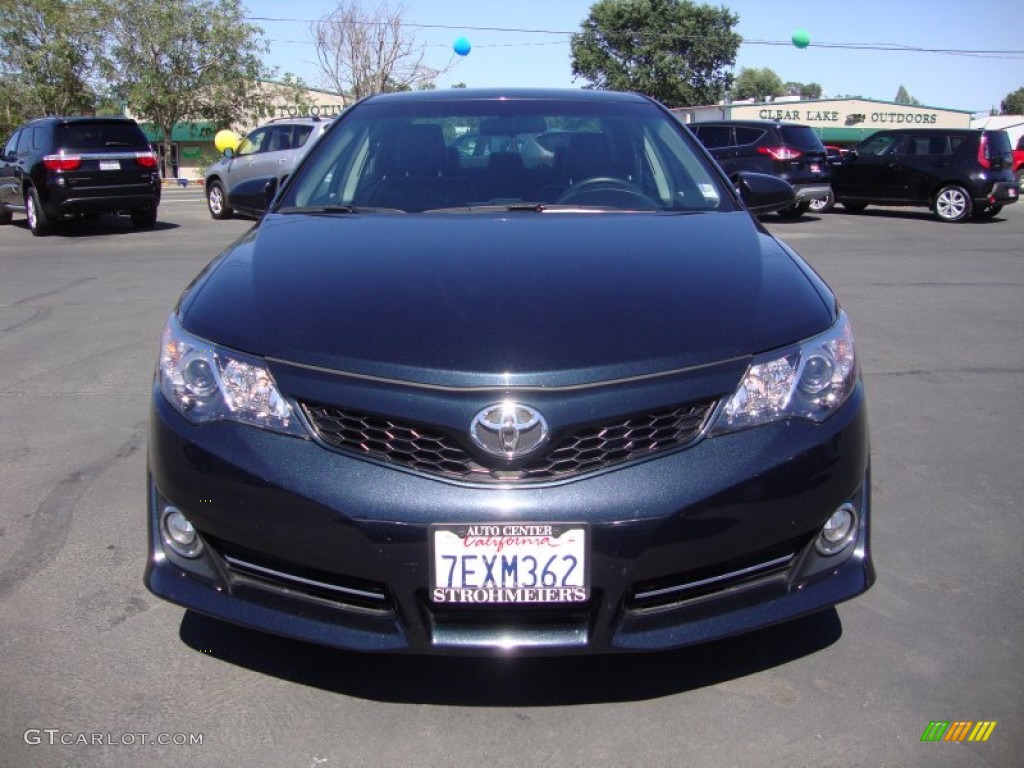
(511, 299)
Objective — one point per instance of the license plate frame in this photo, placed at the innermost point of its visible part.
(509, 563)
(110, 165)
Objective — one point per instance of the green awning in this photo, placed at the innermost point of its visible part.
(181, 132)
(844, 135)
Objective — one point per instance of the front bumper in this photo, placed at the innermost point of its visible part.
(698, 544)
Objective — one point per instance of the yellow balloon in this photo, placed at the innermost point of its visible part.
(225, 139)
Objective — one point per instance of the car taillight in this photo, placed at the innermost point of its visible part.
(983, 156)
(780, 153)
(146, 159)
(62, 162)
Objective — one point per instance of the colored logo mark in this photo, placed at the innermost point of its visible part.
(958, 730)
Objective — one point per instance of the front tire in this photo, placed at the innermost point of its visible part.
(217, 201)
(38, 222)
(953, 204)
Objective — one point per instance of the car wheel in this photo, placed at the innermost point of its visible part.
(1020, 175)
(217, 201)
(823, 204)
(855, 207)
(144, 218)
(794, 211)
(38, 222)
(952, 203)
(987, 212)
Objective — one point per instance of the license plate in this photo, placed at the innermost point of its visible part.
(110, 165)
(509, 563)
(815, 168)
(1013, 192)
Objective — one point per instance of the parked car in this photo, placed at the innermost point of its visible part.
(835, 156)
(1018, 160)
(604, 411)
(790, 151)
(958, 173)
(86, 166)
(272, 150)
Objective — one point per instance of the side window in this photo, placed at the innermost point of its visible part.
(253, 143)
(280, 139)
(300, 134)
(12, 144)
(25, 141)
(748, 135)
(876, 145)
(713, 136)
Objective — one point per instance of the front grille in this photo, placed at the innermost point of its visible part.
(431, 450)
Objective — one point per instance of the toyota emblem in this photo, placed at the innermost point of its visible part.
(509, 430)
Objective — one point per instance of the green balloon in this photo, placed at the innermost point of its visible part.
(801, 38)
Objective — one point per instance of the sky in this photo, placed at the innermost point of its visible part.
(526, 43)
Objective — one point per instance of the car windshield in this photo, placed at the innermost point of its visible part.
(467, 155)
(802, 137)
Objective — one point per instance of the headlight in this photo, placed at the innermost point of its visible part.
(207, 383)
(809, 381)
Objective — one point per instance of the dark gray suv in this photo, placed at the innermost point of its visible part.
(62, 166)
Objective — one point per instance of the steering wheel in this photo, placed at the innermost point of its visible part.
(607, 191)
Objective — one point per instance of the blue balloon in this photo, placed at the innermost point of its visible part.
(462, 46)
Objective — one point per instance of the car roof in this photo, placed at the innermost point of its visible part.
(58, 120)
(752, 123)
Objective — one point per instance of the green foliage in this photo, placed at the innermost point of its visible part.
(174, 60)
(675, 51)
(50, 51)
(1013, 104)
(758, 84)
(902, 97)
(803, 90)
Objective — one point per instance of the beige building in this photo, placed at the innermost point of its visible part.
(837, 121)
(193, 149)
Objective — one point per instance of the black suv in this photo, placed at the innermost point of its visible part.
(787, 150)
(59, 166)
(957, 173)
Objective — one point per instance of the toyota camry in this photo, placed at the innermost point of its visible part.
(582, 403)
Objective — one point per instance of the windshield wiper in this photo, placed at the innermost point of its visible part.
(336, 209)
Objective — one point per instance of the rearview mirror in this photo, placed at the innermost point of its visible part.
(254, 194)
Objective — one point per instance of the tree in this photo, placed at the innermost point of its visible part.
(672, 50)
(362, 52)
(1013, 104)
(758, 84)
(50, 51)
(175, 60)
(902, 97)
(803, 90)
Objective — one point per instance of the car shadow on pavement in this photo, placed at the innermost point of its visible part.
(511, 681)
(104, 225)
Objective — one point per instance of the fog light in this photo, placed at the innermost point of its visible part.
(839, 531)
(179, 533)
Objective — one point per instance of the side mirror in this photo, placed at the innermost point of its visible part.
(229, 152)
(254, 194)
(763, 193)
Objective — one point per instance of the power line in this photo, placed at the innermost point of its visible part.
(884, 47)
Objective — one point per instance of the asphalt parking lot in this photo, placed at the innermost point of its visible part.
(95, 671)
